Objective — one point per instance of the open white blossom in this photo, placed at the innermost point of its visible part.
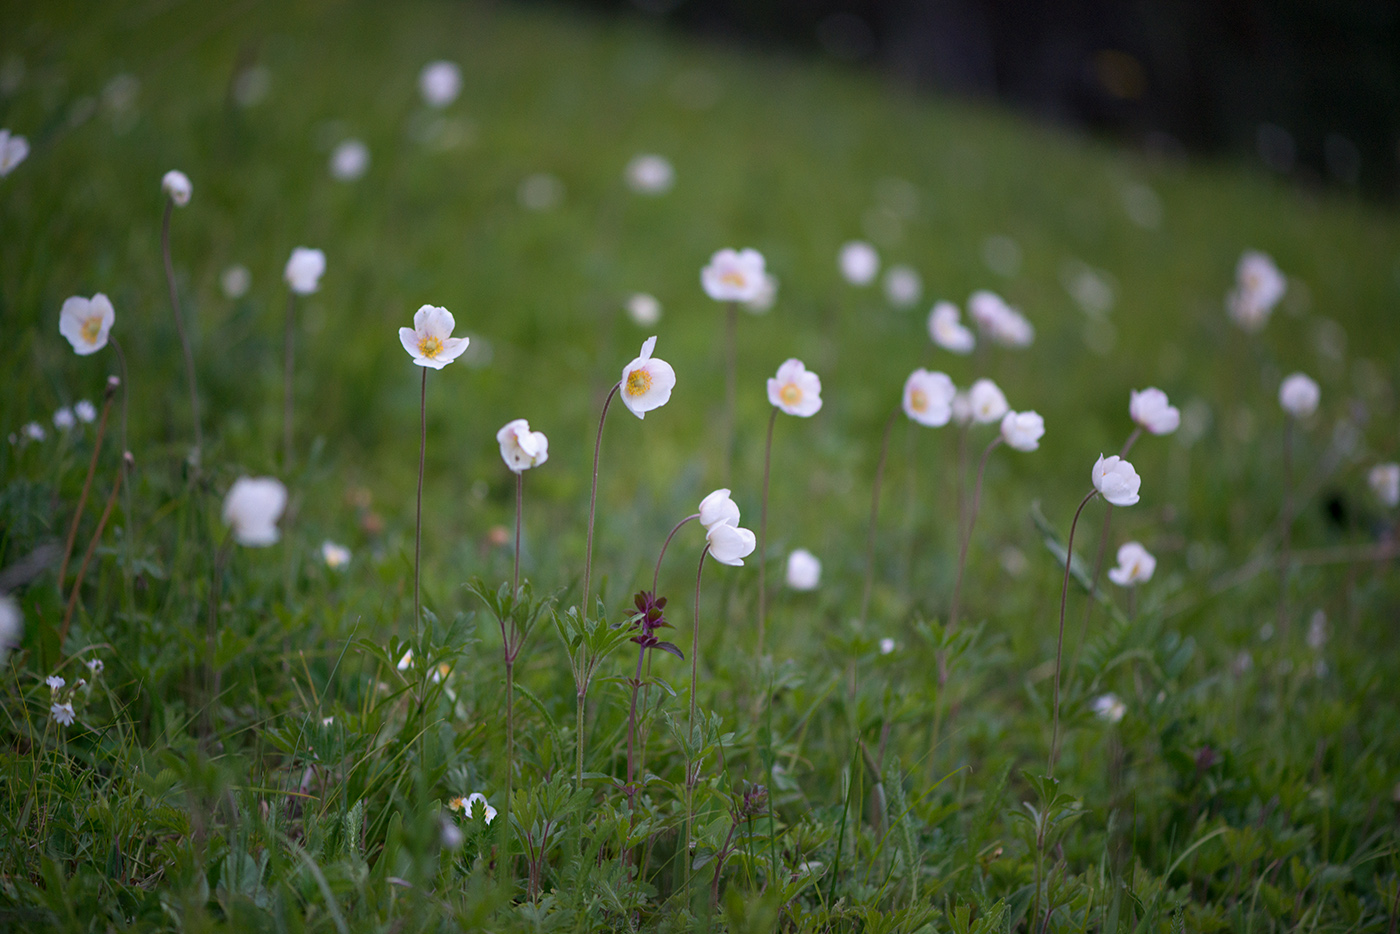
(947, 330)
(650, 174)
(451, 835)
(643, 309)
(64, 419)
(1152, 411)
(1258, 287)
(522, 448)
(903, 286)
(177, 187)
(767, 295)
(11, 626)
(718, 509)
(1110, 707)
(13, 150)
(987, 401)
(804, 570)
(86, 411)
(1116, 479)
(734, 275)
(928, 397)
(349, 160)
(86, 322)
(859, 262)
(440, 83)
(1385, 483)
(32, 431)
(998, 321)
(251, 510)
(1299, 395)
(647, 381)
(796, 390)
(63, 714)
(304, 270)
(55, 682)
(1135, 565)
(730, 544)
(430, 342)
(335, 556)
(1022, 430)
(468, 805)
(887, 646)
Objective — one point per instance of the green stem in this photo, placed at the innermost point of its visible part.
(593, 500)
(1060, 642)
(874, 514)
(763, 534)
(180, 328)
(418, 523)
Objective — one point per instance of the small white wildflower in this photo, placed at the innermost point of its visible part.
(63, 714)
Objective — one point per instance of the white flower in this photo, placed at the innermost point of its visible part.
(947, 330)
(251, 510)
(451, 835)
(235, 281)
(177, 187)
(1135, 565)
(86, 411)
(430, 342)
(469, 803)
(987, 401)
(440, 83)
(1152, 411)
(804, 570)
(928, 398)
(1022, 430)
(984, 307)
(1385, 483)
(350, 160)
(730, 544)
(304, 270)
(650, 174)
(406, 662)
(998, 320)
(961, 407)
(1257, 276)
(86, 322)
(796, 390)
(1110, 707)
(13, 150)
(440, 673)
(1299, 395)
(734, 276)
(767, 295)
(886, 646)
(1116, 479)
(644, 309)
(55, 682)
(64, 419)
(11, 625)
(95, 666)
(522, 448)
(1317, 631)
(859, 262)
(647, 381)
(335, 556)
(718, 509)
(62, 713)
(34, 431)
(903, 287)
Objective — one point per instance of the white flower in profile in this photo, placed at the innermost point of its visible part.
(730, 544)
(63, 714)
(718, 509)
(177, 187)
(858, 262)
(796, 390)
(251, 510)
(468, 806)
(406, 661)
(86, 411)
(522, 448)
(987, 401)
(11, 626)
(1385, 483)
(1135, 565)
(440, 82)
(1257, 276)
(647, 381)
(64, 419)
(998, 321)
(55, 682)
(430, 342)
(767, 295)
(1152, 411)
(304, 270)
(335, 556)
(33, 431)
(1109, 707)
(1013, 329)
(734, 275)
(961, 407)
(887, 646)
(650, 174)
(985, 307)
(804, 570)
(1116, 479)
(86, 322)
(1299, 395)
(644, 309)
(928, 397)
(13, 150)
(903, 286)
(947, 330)
(235, 281)
(349, 160)
(1022, 430)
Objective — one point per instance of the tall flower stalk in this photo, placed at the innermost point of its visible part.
(178, 190)
(125, 465)
(1298, 395)
(303, 275)
(110, 391)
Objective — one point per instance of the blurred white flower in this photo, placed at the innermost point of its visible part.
(235, 281)
(304, 270)
(998, 321)
(886, 646)
(335, 556)
(62, 714)
(1135, 565)
(1110, 707)
(1022, 430)
(858, 262)
(903, 286)
(1317, 631)
(95, 666)
(451, 835)
(804, 570)
(718, 509)
(540, 192)
(767, 295)
(650, 174)
(430, 342)
(928, 398)
(64, 419)
(522, 448)
(947, 330)
(730, 544)
(251, 510)
(1152, 411)
(796, 390)
(440, 83)
(1299, 395)
(734, 276)
(55, 682)
(987, 401)
(406, 661)
(33, 431)
(644, 309)
(961, 407)
(85, 410)
(13, 150)
(468, 806)
(251, 85)
(177, 187)
(1116, 479)
(1258, 287)
(349, 160)
(86, 322)
(647, 381)
(11, 626)
(1385, 483)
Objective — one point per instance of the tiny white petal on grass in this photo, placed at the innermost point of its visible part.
(1116, 479)
(647, 381)
(430, 342)
(349, 160)
(522, 448)
(795, 389)
(11, 626)
(304, 270)
(730, 545)
(1109, 707)
(1022, 430)
(235, 281)
(650, 174)
(804, 570)
(946, 329)
(14, 149)
(987, 402)
(86, 322)
(734, 276)
(886, 646)
(766, 297)
(1135, 565)
(643, 309)
(64, 419)
(55, 682)
(86, 411)
(928, 398)
(251, 510)
(1299, 395)
(335, 556)
(903, 286)
(859, 263)
(177, 187)
(440, 82)
(718, 509)
(1384, 480)
(1150, 409)
(63, 714)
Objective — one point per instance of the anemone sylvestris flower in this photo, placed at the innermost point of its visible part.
(430, 342)
(718, 509)
(767, 295)
(804, 570)
(304, 270)
(13, 150)
(522, 448)
(1109, 707)
(647, 381)
(858, 262)
(734, 276)
(1135, 565)
(469, 803)
(1258, 287)
(1022, 430)
(961, 407)
(796, 390)
(650, 174)
(1299, 395)
(86, 322)
(349, 160)
(903, 286)
(1116, 479)
(998, 321)
(987, 402)
(64, 419)
(1150, 409)
(251, 510)
(730, 544)
(928, 398)
(335, 556)
(644, 309)
(947, 330)
(1385, 483)
(85, 410)
(176, 185)
(440, 82)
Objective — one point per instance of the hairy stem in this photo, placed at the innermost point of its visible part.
(418, 522)
(593, 500)
(1098, 561)
(519, 512)
(1060, 642)
(288, 370)
(695, 642)
(763, 534)
(656, 575)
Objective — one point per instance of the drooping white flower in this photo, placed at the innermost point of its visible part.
(63, 714)
(947, 330)
(796, 390)
(961, 407)
(440, 83)
(767, 295)
(858, 262)
(643, 309)
(987, 401)
(730, 544)
(1152, 411)
(55, 682)
(522, 448)
(177, 187)
(11, 626)
(650, 174)
(718, 509)
(335, 556)
(235, 281)
(1135, 565)
(13, 150)
(647, 381)
(1116, 479)
(251, 510)
(1022, 430)
(85, 410)
(734, 276)
(1299, 395)
(86, 322)
(349, 160)
(887, 646)
(304, 270)
(430, 342)
(804, 570)
(903, 286)
(1110, 707)
(928, 397)
(64, 419)
(1385, 483)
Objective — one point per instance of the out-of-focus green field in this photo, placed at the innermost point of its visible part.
(136, 816)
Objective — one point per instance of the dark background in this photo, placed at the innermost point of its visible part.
(1309, 89)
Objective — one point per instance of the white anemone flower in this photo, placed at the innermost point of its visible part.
(928, 397)
(644, 309)
(1385, 483)
(451, 835)
(335, 556)
(440, 82)
(1150, 409)
(86, 322)
(304, 270)
(796, 390)
(947, 330)
(468, 806)
(177, 187)
(718, 509)
(1258, 277)
(961, 407)
(730, 544)
(32, 431)
(1299, 395)
(349, 160)
(522, 448)
(903, 286)
(86, 411)
(998, 321)
(1109, 707)
(13, 150)
(767, 295)
(251, 510)
(804, 570)
(987, 401)
(55, 682)
(1116, 479)
(64, 419)
(1022, 430)
(887, 646)
(406, 661)
(235, 281)
(734, 276)
(63, 714)
(984, 307)
(430, 342)
(647, 381)
(1135, 565)
(859, 263)
(11, 626)
(650, 174)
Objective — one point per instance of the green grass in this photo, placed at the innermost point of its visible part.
(1226, 799)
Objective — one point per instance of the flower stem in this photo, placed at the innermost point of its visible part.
(656, 575)
(211, 671)
(1060, 642)
(519, 512)
(874, 514)
(763, 534)
(87, 488)
(418, 524)
(593, 500)
(731, 391)
(129, 532)
(962, 552)
(1286, 536)
(180, 328)
(578, 737)
(1098, 560)
(87, 556)
(632, 729)
(507, 869)
(287, 371)
(695, 642)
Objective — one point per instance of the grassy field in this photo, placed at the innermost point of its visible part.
(295, 778)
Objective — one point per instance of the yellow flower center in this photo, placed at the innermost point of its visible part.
(918, 400)
(429, 347)
(638, 382)
(790, 394)
(457, 803)
(91, 328)
(732, 277)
